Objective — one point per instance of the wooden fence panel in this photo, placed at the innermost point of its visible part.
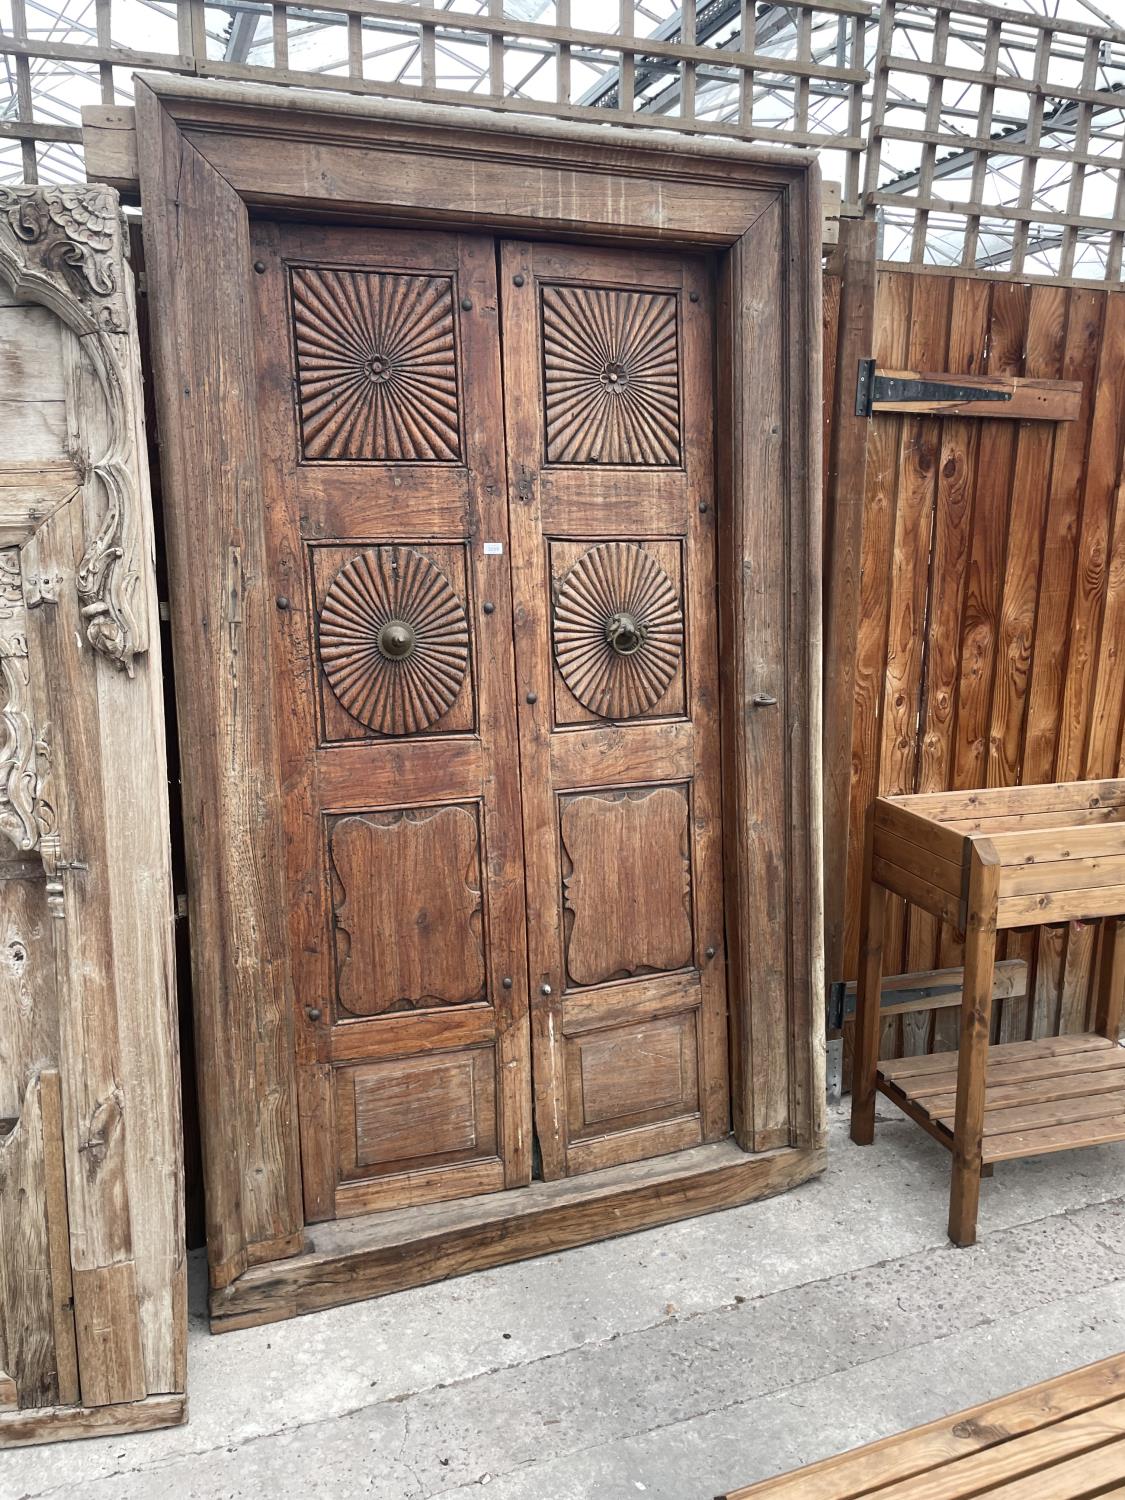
(991, 638)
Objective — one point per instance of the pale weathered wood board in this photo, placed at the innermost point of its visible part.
(87, 1001)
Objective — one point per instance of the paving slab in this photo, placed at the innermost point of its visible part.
(632, 1347)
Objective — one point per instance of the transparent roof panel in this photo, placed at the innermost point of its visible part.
(1049, 153)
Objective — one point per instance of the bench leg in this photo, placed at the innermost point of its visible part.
(1111, 980)
(868, 1018)
(972, 1059)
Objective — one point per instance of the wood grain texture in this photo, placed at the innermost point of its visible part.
(1009, 874)
(628, 884)
(849, 332)
(973, 1451)
(1015, 587)
(221, 637)
(27, 1335)
(590, 185)
(90, 1019)
(623, 879)
(408, 921)
(60, 1424)
(411, 901)
(1025, 400)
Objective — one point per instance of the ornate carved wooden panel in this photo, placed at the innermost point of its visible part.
(407, 907)
(376, 365)
(627, 883)
(416, 598)
(618, 630)
(394, 640)
(613, 556)
(611, 376)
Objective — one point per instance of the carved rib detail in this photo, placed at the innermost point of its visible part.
(607, 581)
(393, 586)
(611, 376)
(376, 366)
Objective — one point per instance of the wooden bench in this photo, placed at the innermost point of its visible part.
(983, 861)
(1061, 1440)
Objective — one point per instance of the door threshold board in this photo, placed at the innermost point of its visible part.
(350, 1260)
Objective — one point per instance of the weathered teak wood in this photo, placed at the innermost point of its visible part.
(208, 157)
(1005, 857)
(92, 1291)
(1064, 1437)
(92, 1302)
(843, 555)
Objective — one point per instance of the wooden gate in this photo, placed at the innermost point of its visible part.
(989, 598)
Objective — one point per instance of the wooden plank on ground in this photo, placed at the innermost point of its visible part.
(938, 1445)
(1033, 1453)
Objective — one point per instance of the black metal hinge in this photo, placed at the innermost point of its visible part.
(872, 388)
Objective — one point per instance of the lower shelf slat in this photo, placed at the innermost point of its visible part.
(1040, 1097)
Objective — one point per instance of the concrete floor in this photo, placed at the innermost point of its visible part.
(671, 1364)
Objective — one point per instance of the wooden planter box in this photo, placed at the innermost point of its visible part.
(984, 861)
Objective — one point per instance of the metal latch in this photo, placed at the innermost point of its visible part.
(871, 388)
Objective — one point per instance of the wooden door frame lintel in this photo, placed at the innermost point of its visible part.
(208, 156)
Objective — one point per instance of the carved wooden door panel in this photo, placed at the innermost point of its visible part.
(379, 389)
(607, 372)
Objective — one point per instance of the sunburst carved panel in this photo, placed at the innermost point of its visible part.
(619, 630)
(394, 640)
(376, 366)
(611, 376)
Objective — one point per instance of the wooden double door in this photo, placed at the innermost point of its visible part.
(491, 524)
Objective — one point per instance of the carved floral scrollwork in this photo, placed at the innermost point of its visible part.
(62, 246)
(26, 813)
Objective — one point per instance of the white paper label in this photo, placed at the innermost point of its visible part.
(494, 549)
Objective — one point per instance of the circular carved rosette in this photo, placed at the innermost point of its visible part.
(394, 640)
(619, 630)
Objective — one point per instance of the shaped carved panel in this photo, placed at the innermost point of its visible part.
(407, 907)
(376, 366)
(618, 630)
(627, 883)
(394, 640)
(611, 376)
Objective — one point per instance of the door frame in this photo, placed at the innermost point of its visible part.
(210, 154)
